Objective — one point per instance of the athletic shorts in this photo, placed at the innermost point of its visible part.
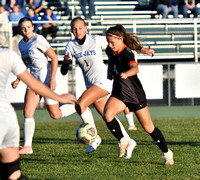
(44, 75)
(9, 129)
(105, 85)
(135, 107)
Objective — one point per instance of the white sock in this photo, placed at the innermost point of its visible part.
(87, 117)
(67, 109)
(29, 129)
(129, 119)
(125, 134)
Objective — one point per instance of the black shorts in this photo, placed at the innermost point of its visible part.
(135, 107)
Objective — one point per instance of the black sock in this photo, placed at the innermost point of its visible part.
(157, 136)
(115, 129)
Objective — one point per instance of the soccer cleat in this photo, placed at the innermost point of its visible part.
(93, 146)
(168, 156)
(129, 149)
(25, 150)
(124, 143)
(132, 128)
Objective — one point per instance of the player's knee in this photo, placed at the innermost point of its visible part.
(80, 107)
(55, 115)
(108, 116)
(8, 170)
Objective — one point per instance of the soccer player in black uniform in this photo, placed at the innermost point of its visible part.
(127, 90)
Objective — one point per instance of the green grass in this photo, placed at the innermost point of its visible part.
(58, 155)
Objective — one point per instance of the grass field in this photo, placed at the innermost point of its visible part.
(58, 155)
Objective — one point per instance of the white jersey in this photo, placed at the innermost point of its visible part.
(10, 62)
(89, 57)
(9, 128)
(33, 54)
(33, 51)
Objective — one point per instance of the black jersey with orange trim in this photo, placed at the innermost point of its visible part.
(129, 90)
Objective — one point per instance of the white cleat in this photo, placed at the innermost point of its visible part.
(168, 156)
(93, 146)
(132, 128)
(129, 149)
(123, 144)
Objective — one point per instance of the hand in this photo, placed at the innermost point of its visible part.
(123, 76)
(15, 83)
(68, 99)
(52, 84)
(66, 57)
(147, 51)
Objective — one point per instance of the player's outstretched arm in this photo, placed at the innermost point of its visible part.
(43, 90)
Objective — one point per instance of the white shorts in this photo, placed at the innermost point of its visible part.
(44, 75)
(9, 128)
(105, 85)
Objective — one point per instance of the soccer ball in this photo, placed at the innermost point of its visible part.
(86, 133)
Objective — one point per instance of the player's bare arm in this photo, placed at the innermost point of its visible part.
(43, 90)
(133, 71)
(54, 64)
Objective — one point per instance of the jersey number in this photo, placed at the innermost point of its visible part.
(86, 62)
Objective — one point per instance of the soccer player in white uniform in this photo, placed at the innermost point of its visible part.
(87, 50)
(35, 51)
(9, 128)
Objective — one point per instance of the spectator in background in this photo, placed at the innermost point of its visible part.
(166, 6)
(51, 27)
(91, 8)
(22, 4)
(10, 5)
(31, 14)
(186, 5)
(4, 27)
(37, 5)
(16, 15)
(3, 2)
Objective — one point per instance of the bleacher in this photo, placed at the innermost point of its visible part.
(170, 37)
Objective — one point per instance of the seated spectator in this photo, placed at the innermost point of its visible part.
(22, 4)
(10, 5)
(37, 5)
(186, 5)
(31, 14)
(166, 6)
(16, 15)
(4, 27)
(49, 28)
(91, 8)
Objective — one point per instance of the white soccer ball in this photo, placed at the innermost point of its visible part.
(86, 133)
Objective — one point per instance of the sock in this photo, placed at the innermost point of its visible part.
(29, 128)
(129, 119)
(117, 129)
(87, 117)
(159, 139)
(67, 109)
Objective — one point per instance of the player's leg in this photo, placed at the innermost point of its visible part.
(129, 119)
(144, 118)
(31, 102)
(91, 95)
(10, 164)
(57, 112)
(113, 107)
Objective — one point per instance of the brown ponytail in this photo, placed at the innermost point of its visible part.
(130, 39)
